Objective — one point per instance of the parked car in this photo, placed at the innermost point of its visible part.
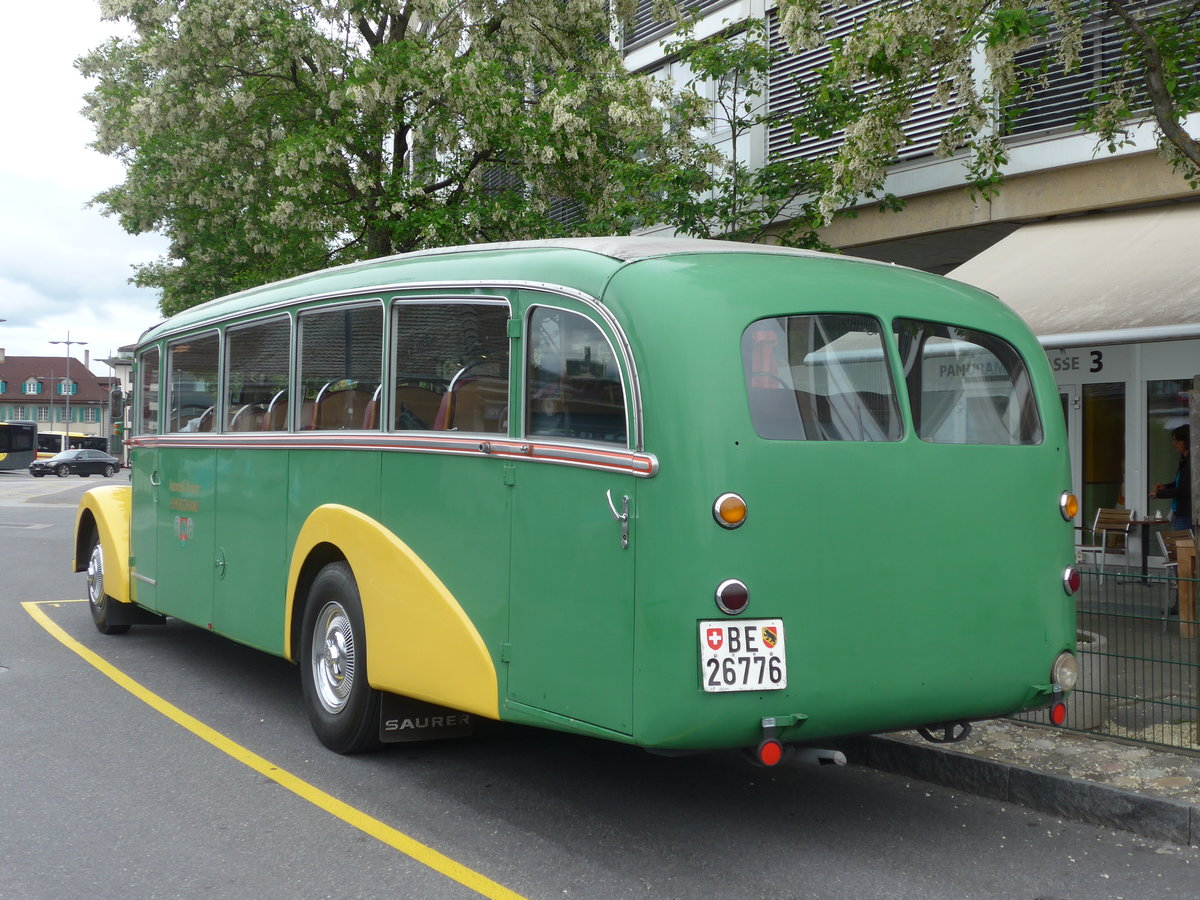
(76, 462)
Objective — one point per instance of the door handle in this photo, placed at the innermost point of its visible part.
(622, 516)
(154, 478)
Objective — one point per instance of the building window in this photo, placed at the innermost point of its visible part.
(91, 414)
(32, 386)
(21, 413)
(61, 388)
(922, 130)
(43, 414)
(3, 387)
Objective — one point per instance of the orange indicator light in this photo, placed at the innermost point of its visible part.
(729, 510)
(1068, 505)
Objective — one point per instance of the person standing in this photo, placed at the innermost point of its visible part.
(1180, 490)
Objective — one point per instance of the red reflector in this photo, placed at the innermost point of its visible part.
(770, 752)
(1058, 713)
(1072, 579)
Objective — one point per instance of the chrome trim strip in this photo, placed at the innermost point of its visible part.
(140, 577)
(587, 456)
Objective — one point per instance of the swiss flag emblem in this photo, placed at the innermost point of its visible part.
(715, 637)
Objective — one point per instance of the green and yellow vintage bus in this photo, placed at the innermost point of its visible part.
(681, 494)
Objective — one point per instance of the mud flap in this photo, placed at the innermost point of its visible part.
(403, 719)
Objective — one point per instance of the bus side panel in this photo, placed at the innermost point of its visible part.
(421, 642)
(249, 591)
(454, 513)
(186, 533)
(108, 508)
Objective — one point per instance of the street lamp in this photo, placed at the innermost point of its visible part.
(67, 430)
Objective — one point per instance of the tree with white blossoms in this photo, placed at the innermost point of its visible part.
(901, 45)
(266, 138)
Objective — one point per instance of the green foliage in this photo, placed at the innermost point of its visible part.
(902, 45)
(742, 199)
(271, 137)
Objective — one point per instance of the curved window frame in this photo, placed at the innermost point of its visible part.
(976, 418)
(629, 409)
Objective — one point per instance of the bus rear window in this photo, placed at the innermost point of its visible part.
(966, 387)
(820, 378)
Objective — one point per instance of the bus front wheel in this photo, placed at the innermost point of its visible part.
(342, 707)
(100, 603)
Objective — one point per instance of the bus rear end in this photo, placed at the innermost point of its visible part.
(857, 522)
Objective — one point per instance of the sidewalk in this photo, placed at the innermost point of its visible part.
(1151, 792)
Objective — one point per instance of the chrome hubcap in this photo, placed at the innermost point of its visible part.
(333, 657)
(95, 576)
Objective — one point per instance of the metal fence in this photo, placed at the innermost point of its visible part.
(1139, 659)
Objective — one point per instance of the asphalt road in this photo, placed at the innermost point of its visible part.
(104, 794)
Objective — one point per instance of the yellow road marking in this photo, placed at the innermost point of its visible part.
(367, 824)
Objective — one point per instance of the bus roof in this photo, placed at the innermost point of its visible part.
(584, 264)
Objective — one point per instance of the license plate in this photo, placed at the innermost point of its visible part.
(742, 656)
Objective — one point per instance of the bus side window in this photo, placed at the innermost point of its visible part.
(451, 367)
(341, 360)
(192, 383)
(256, 366)
(572, 381)
(148, 382)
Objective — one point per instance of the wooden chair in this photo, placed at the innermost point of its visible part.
(1166, 542)
(1110, 535)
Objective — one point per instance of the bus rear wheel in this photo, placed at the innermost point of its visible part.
(342, 707)
(103, 613)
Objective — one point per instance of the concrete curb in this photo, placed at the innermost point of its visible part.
(1071, 798)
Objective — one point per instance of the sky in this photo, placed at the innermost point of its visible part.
(64, 267)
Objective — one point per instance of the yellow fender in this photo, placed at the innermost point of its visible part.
(109, 509)
(423, 644)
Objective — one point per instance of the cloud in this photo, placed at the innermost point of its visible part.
(63, 266)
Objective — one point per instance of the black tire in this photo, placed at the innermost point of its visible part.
(62, 471)
(104, 613)
(342, 707)
(110, 470)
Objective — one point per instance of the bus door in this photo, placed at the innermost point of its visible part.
(145, 481)
(186, 489)
(571, 613)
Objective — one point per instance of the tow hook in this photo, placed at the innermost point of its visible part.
(945, 732)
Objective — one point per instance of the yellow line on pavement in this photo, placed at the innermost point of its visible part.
(367, 824)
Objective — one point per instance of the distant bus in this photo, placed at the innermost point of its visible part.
(18, 442)
(51, 442)
(680, 494)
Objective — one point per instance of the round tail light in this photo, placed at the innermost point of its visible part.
(1072, 580)
(732, 596)
(770, 752)
(1058, 713)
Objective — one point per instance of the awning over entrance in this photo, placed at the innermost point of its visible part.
(1107, 278)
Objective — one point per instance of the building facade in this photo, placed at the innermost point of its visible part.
(57, 395)
(1096, 250)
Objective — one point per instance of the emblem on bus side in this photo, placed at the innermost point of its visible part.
(770, 636)
(183, 529)
(716, 637)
